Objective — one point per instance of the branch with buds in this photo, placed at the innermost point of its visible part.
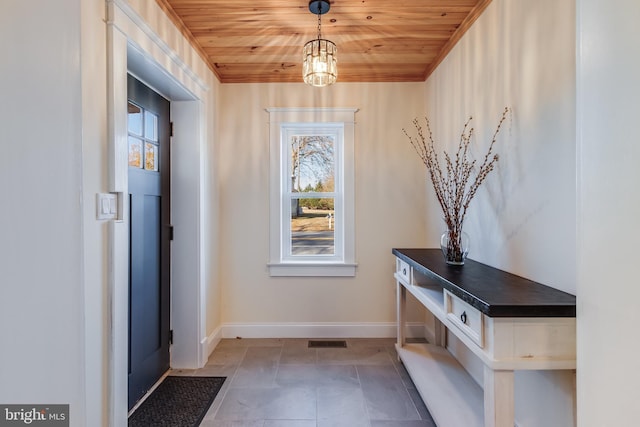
(453, 183)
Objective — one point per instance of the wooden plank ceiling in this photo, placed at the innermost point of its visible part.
(260, 41)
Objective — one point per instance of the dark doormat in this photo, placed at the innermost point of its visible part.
(177, 402)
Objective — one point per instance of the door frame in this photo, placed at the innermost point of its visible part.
(133, 48)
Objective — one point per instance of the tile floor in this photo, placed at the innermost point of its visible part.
(283, 383)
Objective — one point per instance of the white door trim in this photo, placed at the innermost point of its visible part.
(133, 47)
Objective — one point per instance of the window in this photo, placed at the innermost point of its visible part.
(311, 193)
(143, 132)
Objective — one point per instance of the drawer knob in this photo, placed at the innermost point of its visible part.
(463, 317)
(404, 271)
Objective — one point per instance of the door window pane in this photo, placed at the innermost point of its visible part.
(135, 119)
(150, 156)
(150, 126)
(135, 152)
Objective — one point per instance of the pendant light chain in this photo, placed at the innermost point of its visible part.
(319, 19)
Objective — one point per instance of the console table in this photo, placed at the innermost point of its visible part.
(507, 321)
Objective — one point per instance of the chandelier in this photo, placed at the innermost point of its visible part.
(319, 55)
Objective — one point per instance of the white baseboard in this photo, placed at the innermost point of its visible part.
(307, 330)
(210, 343)
(316, 330)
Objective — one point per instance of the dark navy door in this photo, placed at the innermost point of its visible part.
(149, 247)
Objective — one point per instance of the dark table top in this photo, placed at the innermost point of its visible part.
(494, 292)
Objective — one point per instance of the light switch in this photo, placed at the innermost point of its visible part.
(106, 206)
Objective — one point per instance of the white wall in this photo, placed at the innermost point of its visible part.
(42, 292)
(608, 90)
(390, 206)
(55, 265)
(95, 233)
(520, 55)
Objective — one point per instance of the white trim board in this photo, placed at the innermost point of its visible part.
(210, 343)
(318, 330)
(311, 331)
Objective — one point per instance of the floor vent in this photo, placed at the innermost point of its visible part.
(328, 344)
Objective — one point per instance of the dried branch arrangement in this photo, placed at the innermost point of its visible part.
(454, 183)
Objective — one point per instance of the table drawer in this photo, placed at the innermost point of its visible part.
(404, 270)
(467, 319)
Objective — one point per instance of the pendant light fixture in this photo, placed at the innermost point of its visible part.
(320, 66)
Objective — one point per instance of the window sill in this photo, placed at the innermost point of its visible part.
(312, 269)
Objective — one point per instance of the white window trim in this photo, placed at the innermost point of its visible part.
(281, 119)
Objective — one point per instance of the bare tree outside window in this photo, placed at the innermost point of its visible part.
(312, 161)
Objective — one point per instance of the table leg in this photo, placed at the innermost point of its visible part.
(440, 333)
(401, 309)
(498, 398)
